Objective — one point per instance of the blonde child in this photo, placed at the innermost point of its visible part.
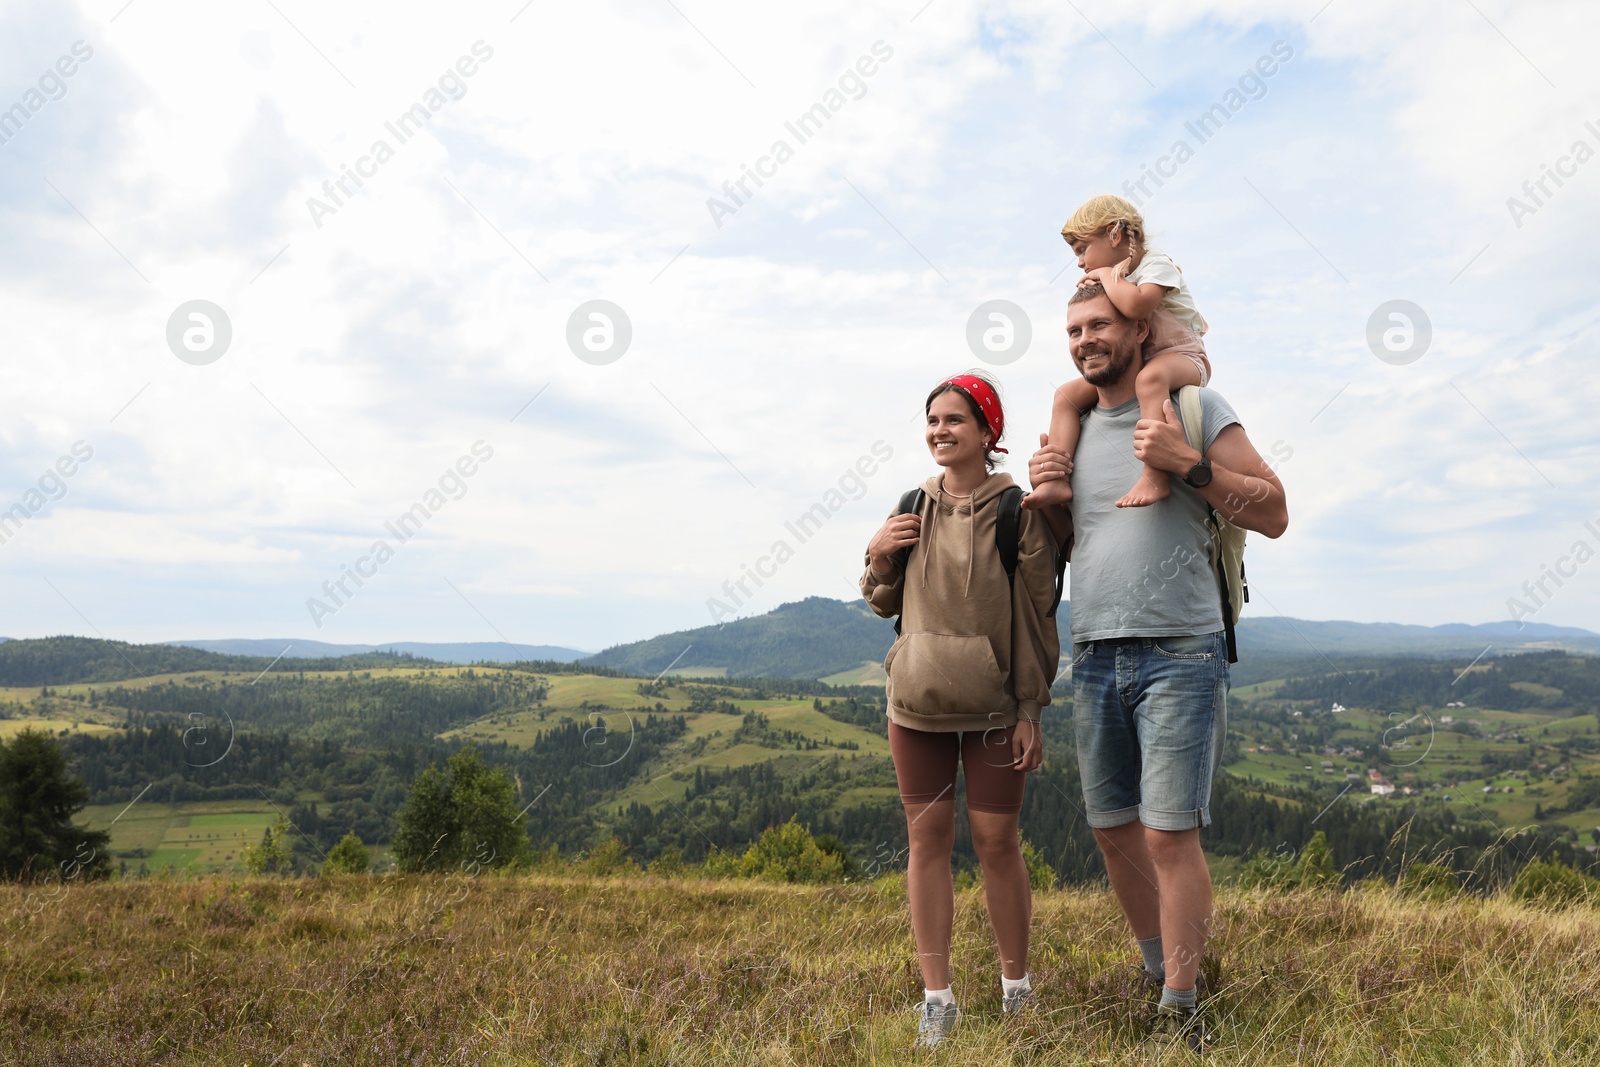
(1107, 235)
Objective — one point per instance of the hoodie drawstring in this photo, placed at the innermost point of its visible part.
(972, 544)
(972, 537)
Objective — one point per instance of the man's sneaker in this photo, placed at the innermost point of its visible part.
(1018, 1002)
(1182, 1025)
(934, 1023)
(1150, 983)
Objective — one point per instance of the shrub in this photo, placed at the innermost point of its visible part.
(349, 856)
(273, 855)
(465, 816)
(1553, 885)
(667, 865)
(789, 853)
(1041, 876)
(720, 864)
(608, 860)
(1271, 870)
(1429, 881)
(833, 846)
(1316, 863)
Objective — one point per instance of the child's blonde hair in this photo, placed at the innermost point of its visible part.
(1104, 212)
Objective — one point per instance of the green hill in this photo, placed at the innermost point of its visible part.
(67, 660)
(810, 638)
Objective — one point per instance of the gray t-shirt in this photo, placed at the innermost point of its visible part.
(1139, 572)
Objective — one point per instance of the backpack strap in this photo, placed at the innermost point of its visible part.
(1193, 418)
(910, 504)
(1008, 539)
(1008, 529)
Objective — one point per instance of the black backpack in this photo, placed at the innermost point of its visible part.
(1007, 539)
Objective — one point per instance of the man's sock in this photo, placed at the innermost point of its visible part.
(939, 996)
(1178, 998)
(1008, 986)
(1155, 963)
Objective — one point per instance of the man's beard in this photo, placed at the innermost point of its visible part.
(1121, 357)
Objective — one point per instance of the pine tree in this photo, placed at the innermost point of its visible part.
(38, 798)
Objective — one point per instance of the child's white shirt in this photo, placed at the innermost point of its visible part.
(1157, 268)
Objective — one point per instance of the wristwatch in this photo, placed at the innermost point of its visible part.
(1199, 475)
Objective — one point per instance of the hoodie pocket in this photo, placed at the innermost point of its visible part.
(946, 674)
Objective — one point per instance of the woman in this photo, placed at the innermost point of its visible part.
(967, 679)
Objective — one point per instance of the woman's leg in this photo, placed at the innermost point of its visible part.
(931, 829)
(994, 804)
(925, 764)
(1005, 886)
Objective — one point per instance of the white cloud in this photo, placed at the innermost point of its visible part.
(414, 321)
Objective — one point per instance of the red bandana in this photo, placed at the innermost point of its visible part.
(988, 403)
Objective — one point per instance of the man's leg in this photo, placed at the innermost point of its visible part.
(1182, 717)
(1185, 901)
(1133, 877)
(1109, 764)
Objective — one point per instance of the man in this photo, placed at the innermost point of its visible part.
(1149, 662)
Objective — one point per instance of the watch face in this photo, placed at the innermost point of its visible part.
(1199, 475)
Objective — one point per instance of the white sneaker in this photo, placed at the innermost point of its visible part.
(1016, 1003)
(934, 1023)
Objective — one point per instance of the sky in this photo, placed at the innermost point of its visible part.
(227, 378)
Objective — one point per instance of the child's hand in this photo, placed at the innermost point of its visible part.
(1092, 277)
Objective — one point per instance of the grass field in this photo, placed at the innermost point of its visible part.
(869, 673)
(9, 728)
(549, 969)
(201, 835)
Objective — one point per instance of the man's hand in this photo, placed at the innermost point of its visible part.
(1049, 463)
(1161, 444)
(901, 531)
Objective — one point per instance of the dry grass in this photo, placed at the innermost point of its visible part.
(566, 970)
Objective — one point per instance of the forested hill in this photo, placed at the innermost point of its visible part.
(809, 638)
(819, 636)
(68, 660)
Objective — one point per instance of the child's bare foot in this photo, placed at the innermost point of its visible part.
(1151, 486)
(1055, 492)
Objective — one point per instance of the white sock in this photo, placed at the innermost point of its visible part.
(1009, 986)
(939, 996)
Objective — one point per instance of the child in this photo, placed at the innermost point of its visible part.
(968, 677)
(1107, 235)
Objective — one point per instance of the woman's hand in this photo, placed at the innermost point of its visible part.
(901, 531)
(1027, 746)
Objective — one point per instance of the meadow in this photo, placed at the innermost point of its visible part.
(565, 969)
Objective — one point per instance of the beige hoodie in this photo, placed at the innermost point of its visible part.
(974, 651)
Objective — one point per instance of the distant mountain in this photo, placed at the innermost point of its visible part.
(810, 638)
(819, 636)
(443, 652)
(66, 660)
(1280, 635)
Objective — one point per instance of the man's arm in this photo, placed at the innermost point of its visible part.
(1244, 490)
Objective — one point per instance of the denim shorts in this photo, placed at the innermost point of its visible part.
(1150, 715)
